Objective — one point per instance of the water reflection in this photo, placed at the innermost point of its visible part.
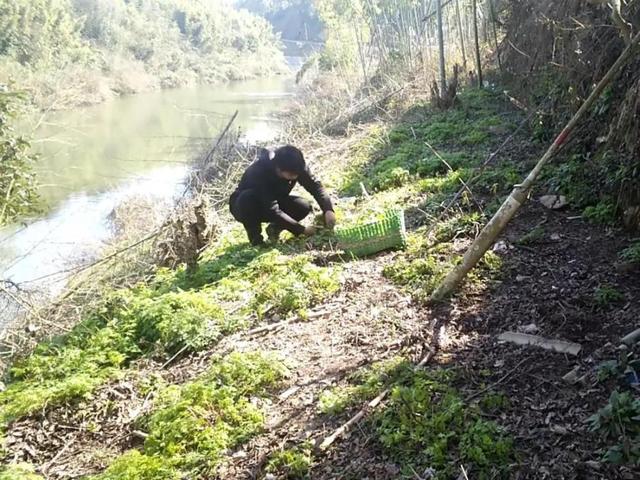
(94, 158)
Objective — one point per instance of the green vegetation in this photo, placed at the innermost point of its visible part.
(19, 471)
(195, 423)
(426, 423)
(458, 136)
(364, 384)
(607, 294)
(17, 180)
(293, 463)
(96, 47)
(631, 253)
(161, 320)
(535, 235)
(618, 422)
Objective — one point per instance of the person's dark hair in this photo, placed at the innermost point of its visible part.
(289, 159)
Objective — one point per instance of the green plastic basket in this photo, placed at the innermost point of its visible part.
(387, 233)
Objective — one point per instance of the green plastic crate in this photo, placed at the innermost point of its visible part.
(384, 234)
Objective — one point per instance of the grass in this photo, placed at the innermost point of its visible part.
(161, 319)
(292, 463)
(631, 253)
(363, 384)
(426, 423)
(405, 154)
(195, 424)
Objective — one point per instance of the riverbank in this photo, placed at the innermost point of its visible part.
(241, 368)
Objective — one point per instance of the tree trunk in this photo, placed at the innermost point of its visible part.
(495, 32)
(521, 192)
(464, 53)
(477, 42)
(443, 75)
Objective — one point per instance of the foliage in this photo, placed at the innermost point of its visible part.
(364, 384)
(161, 320)
(293, 463)
(631, 253)
(405, 154)
(427, 424)
(623, 368)
(607, 294)
(126, 47)
(41, 32)
(603, 212)
(18, 188)
(195, 423)
(19, 471)
(619, 421)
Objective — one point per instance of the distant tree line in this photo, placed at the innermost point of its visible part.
(67, 52)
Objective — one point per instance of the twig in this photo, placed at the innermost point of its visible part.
(495, 384)
(464, 472)
(326, 443)
(52, 462)
(176, 355)
(464, 185)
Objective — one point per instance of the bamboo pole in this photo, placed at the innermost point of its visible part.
(461, 33)
(495, 32)
(520, 192)
(477, 43)
(443, 75)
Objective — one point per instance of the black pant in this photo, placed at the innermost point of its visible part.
(249, 210)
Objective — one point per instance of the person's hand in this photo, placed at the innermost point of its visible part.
(310, 230)
(330, 219)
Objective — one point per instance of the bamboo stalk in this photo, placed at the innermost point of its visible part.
(477, 43)
(443, 75)
(520, 192)
(461, 33)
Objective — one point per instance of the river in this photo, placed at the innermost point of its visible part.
(93, 158)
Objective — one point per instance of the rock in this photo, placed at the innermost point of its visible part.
(548, 344)
(559, 429)
(530, 328)
(287, 393)
(554, 202)
(3, 387)
(501, 247)
(631, 338)
(572, 376)
(555, 237)
(592, 464)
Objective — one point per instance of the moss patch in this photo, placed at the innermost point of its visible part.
(193, 425)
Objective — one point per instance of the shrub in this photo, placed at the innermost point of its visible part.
(618, 422)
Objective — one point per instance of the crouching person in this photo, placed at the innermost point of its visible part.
(263, 196)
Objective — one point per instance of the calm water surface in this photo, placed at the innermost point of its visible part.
(94, 158)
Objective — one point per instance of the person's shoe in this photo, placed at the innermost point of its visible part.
(273, 232)
(257, 241)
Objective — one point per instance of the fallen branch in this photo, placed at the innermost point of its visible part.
(495, 384)
(520, 193)
(326, 443)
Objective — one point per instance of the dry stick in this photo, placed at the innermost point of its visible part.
(326, 443)
(495, 384)
(520, 192)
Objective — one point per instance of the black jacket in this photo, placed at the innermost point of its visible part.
(262, 178)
